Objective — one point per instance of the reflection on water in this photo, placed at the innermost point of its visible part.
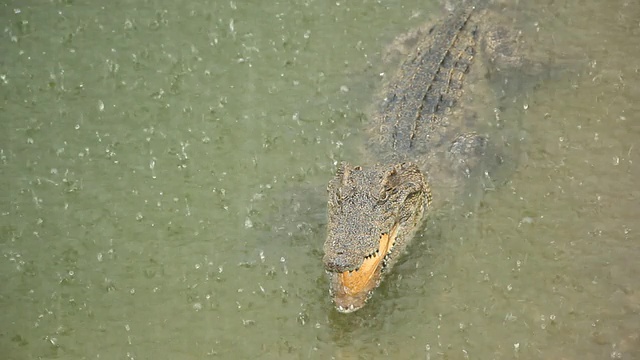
(164, 167)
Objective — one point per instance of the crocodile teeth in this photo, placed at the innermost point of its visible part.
(348, 309)
(387, 255)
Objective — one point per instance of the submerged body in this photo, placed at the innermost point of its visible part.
(422, 131)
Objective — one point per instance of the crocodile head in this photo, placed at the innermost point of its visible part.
(372, 215)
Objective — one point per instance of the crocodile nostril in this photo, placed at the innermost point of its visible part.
(338, 262)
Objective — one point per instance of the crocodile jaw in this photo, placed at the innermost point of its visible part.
(351, 289)
(373, 214)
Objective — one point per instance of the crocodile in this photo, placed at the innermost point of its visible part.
(422, 132)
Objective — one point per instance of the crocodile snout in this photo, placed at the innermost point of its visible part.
(339, 262)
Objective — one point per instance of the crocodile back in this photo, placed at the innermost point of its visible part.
(416, 117)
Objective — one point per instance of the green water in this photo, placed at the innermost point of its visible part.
(163, 167)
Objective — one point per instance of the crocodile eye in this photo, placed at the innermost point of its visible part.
(383, 195)
(338, 196)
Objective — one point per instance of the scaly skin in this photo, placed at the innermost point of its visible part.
(370, 198)
(420, 131)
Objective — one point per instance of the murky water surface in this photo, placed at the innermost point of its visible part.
(163, 167)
